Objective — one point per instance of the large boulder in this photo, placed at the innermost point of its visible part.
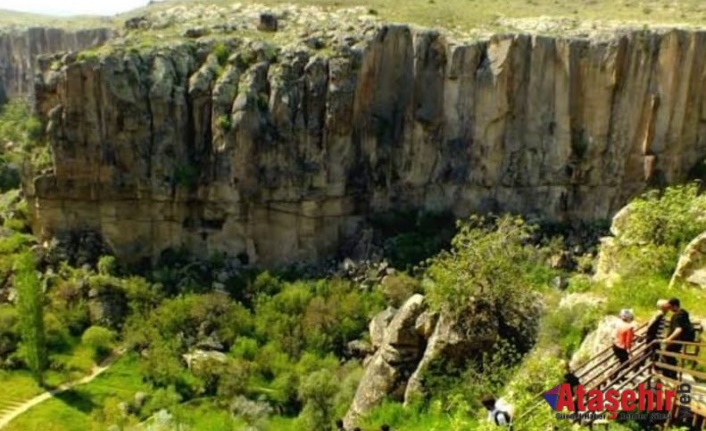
(453, 342)
(378, 326)
(607, 268)
(199, 360)
(691, 267)
(415, 338)
(620, 221)
(396, 358)
(597, 341)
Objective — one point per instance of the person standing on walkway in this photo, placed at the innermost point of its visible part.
(656, 326)
(624, 336)
(680, 329)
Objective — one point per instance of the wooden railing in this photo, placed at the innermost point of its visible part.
(695, 409)
(603, 371)
(587, 368)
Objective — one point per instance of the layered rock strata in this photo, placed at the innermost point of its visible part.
(19, 48)
(278, 153)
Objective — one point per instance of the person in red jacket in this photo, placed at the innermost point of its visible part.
(624, 336)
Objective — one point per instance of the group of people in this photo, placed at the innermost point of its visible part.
(680, 330)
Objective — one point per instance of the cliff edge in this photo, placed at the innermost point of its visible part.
(241, 144)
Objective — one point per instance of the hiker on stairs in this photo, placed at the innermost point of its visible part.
(624, 336)
(656, 325)
(680, 329)
(499, 411)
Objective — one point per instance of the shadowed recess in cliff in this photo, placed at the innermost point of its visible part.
(291, 147)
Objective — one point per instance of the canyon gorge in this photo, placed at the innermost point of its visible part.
(279, 153)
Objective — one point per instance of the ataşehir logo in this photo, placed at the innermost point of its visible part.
(561, 398)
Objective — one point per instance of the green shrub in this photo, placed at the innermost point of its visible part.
(654, 231)
(317, 392)
(9, 175)
(413, 236)
(235, 379)
(671, 218)
(69, 305)
(57, 334)
(540, 371)
(652, 259)
(162, 398)
(9, 330)
(489, 261)
(224, 122)
(107, 265)
(100, 340)
(491, 273)
(568, 326)
(245, 348)
(398, 288)
(222, 53)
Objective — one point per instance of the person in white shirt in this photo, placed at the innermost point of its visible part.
(499, 411)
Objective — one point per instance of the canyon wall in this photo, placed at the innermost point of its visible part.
(280, 154)
(19, 48)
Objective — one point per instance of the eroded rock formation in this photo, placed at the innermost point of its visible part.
(19, 48)
(408, 343)
(691, 267)
(279, 153)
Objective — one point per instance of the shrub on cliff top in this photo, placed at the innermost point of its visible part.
(492, 261)
(670, 218)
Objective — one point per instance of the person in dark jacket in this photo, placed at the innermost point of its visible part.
(680, 329)
(655, 327)
(571, 378)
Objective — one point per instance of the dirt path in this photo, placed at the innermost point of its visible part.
(22, 408)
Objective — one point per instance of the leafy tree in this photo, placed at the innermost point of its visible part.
(30, 304)
(318, 392)
(488, 260)
(490, 275)
(100, 340)
(19, 134)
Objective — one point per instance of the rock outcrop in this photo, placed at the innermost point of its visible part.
(608, 268)
(19, 49)
(691, 267)
(281, 152)
(595, 342)
(407, 343)
(395, 359)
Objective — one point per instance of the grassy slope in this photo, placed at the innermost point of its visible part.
(23, 19)
(479, 13)
(462, 14)
(72, 410)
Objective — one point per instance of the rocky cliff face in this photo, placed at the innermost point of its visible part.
(279, 153)
(19, 48)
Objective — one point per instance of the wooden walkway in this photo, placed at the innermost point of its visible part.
(646, 366)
